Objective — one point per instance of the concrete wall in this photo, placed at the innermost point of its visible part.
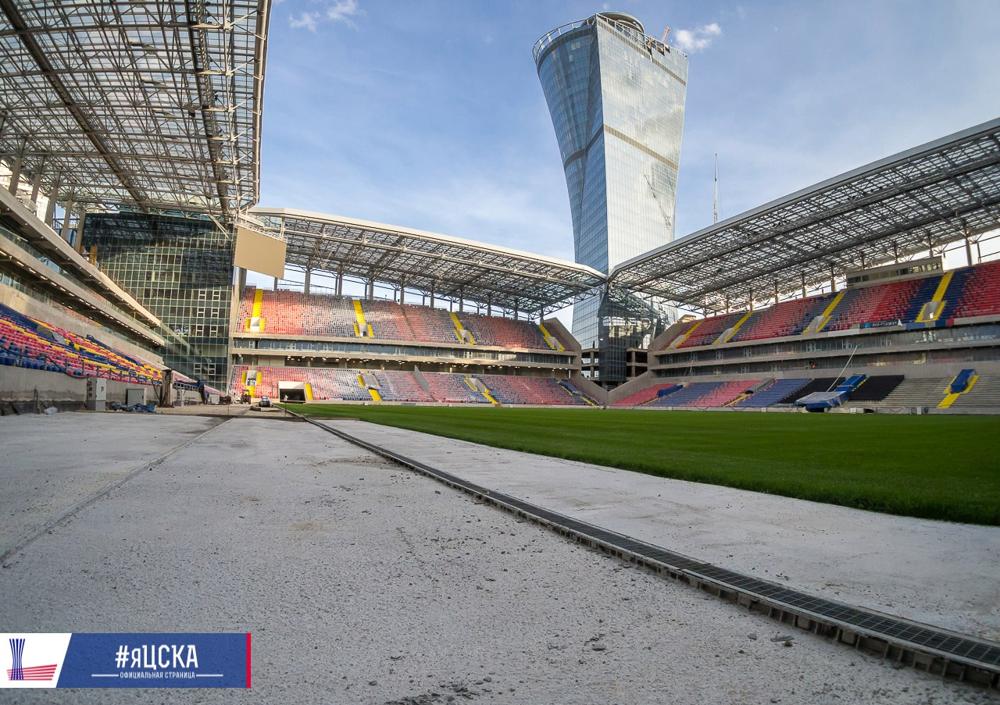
(591, 389)
(646, 379)
(664, 339)
(18, 384)
(558, 330)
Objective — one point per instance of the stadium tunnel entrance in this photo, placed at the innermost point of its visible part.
(292, 391)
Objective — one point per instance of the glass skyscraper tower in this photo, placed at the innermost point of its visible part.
(616, 97)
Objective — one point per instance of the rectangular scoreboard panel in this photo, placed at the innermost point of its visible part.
(259, 253)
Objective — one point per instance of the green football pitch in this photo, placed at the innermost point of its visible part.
(937, 467)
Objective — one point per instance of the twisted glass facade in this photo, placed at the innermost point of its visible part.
(616, 98)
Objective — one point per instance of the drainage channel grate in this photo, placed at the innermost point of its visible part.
(924, 647)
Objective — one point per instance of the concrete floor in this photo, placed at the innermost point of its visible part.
(936, 572)
(364, 583)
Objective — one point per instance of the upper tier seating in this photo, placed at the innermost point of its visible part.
(708, 329)
(33, 344)
(293, 313)
(898, 301)
(387, 320)
(503, 332)
(430, 325)
(782, 319)
(974, 291)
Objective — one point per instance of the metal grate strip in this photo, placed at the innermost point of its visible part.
(977, 660)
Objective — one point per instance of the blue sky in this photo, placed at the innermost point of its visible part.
(430, 115)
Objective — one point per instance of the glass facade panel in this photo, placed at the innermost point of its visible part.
(616, 98)
(181, 269)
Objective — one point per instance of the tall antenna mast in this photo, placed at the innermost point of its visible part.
(715, 192)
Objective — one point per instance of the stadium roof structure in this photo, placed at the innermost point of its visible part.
(153, 104)
(889, 210)
(450, 267)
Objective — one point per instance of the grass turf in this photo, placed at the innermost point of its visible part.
(937, 467)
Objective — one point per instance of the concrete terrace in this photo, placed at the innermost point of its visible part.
(363, 582)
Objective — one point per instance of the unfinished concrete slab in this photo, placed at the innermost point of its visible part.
(51, 463)
(935, 572)
(362, 582)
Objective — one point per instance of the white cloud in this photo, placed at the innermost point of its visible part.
(697, 39)
(331, 11)
(342, 11)
(305, 20)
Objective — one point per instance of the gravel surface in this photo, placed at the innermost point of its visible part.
(365, 583)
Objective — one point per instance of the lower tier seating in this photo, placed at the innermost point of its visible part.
(404, 386)
(876, 388)
(985, 394)
(509, 389)
(453, 388)
(690, 395)
(876, 391)
(815, 385)
(648, 394)
(33, 344)
(772, 393)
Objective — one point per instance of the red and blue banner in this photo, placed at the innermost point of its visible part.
(126, 660)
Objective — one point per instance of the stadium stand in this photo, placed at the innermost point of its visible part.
(771, 393)
(985, 393)
(876, 388)
(294, 313)
(503, 332)
(430, 325)
(975, 291)
(972, 291)
(454, 388)
(895, 302)
(705, 331)
(387, 320)
(581, 398)
(648, 394)
(398, 385)
(704, 394)
(510, 389)
(32, 344)
(812, 386)
(406, 386)
(782, 319)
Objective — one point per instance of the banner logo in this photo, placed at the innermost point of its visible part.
(17, 671)
(126, 660)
